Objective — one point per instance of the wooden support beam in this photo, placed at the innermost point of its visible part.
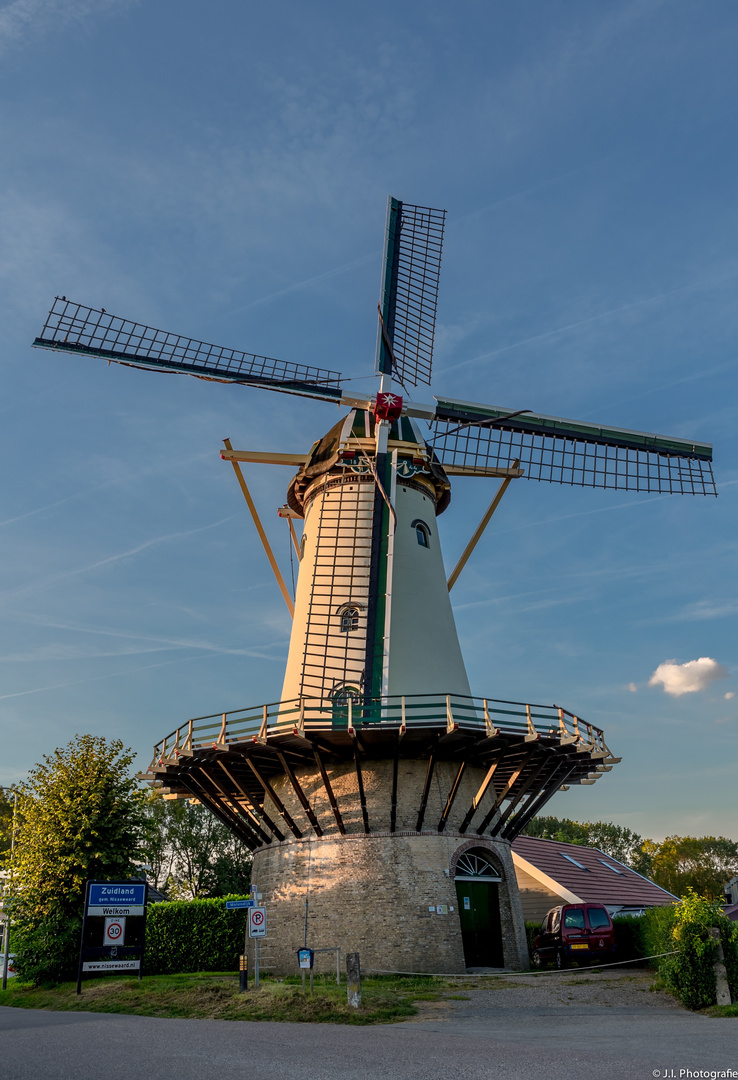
(261, 457)
(275, 799)
(395, 769)
(502, 795)
(329, 791)
(482, 526)
(260, 529)
(482, 470)
(304, 801)
(362, 794)
(559, 776)
(257, 810)
(232, 824)
(232, 804)
(426, 791)
(534, 774)
(482, 790)
(451, 796)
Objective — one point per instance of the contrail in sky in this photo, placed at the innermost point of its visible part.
(308, 281)
(586, 322)
(50, 582)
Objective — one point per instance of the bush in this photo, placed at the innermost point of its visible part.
(46, 951)
(629, 937)
(194, 935)
(690, 974)
(531, 929)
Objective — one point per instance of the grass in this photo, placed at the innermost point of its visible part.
(215, 996)
(722, 1010)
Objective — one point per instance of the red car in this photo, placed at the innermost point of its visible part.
(581, 932)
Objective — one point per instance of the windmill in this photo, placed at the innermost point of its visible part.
(378, 794)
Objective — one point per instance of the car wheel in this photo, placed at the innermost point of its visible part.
(536, 959)
(560, 959)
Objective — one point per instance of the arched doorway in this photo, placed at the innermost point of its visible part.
(477, 883)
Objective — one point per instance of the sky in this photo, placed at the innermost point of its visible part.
(221, 170)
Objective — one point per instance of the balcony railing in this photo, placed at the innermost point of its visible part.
(451, 712)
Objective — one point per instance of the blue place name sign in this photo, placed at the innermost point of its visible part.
(231, 904)
(116, 895)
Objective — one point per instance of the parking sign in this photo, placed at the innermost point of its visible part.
(257, 922)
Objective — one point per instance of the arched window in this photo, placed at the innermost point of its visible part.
(340, 699)
(475, 864)
(422, 532)
(349, 618)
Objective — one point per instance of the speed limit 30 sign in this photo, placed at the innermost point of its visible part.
(115, 931)
(257, 922)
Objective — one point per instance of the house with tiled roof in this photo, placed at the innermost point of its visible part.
(551, 873)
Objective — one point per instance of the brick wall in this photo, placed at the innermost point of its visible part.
(371, 895)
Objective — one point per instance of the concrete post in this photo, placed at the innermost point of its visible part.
(721, 976)
(353, 979)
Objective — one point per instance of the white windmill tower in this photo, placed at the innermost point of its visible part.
(378, 774)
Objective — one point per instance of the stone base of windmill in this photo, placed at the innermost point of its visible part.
(396, 899)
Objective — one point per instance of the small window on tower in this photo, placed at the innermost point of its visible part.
(349, 616)
(422, 532)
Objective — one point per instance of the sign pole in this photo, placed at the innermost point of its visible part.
(6, 935)
(6, 949)
(82, 938)
(256, 965)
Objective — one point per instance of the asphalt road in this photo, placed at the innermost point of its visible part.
(467, 1044)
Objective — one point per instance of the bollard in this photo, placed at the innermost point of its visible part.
(721, 976)
(353, 979)
(243, 974)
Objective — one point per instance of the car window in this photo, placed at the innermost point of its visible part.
(598, 918)
(555, 920)
(574, 919)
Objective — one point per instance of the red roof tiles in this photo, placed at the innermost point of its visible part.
(598, 878)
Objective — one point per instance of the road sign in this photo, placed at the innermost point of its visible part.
(257, 922)
(305, 958)
(114, 932)
(113, 928)
(116, 898)
(233, 904)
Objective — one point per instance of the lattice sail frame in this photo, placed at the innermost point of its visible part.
(566, 452)
(412, 267)
(75, 328)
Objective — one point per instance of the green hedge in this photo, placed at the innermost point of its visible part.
(194, 935)
(685, 927)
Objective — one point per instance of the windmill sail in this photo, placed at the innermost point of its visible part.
(412, 265)
(75, 328)
(475, 439)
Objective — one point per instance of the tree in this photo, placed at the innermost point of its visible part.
(564, 830)
(702, 864)
(190, 854)
(80, 815)
(6, 822)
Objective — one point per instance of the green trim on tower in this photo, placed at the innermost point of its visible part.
(388, 295)
(377, 599)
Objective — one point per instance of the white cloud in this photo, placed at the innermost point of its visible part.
(677, 679)
(730, 695)
(632, 687)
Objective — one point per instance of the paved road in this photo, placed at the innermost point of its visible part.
(517, 1044)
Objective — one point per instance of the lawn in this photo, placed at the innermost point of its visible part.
(215, 996)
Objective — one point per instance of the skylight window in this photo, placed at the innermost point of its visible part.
(609, 867)
(574, 861)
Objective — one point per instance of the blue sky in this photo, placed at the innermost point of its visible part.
(221, 170)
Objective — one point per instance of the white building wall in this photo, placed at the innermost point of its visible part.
(425, 655)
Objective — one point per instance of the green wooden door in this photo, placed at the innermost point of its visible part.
(481, 933)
